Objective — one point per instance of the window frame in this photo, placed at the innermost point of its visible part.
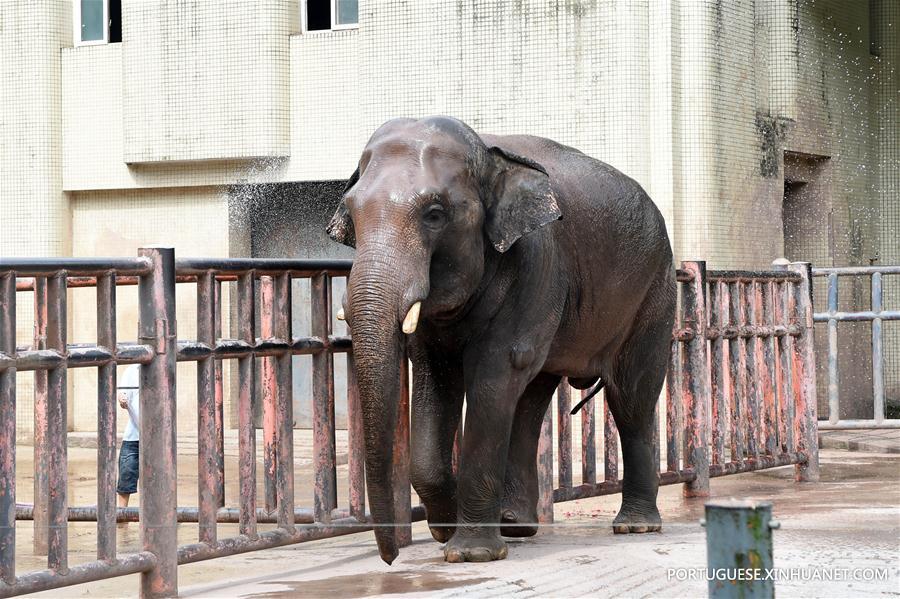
(304, 21)
(77, 29)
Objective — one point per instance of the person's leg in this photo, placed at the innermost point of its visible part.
(128, 472)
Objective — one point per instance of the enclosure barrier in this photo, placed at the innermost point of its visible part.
(753, 402)
(876, 314)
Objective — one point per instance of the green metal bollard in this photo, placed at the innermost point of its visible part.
(739, 549)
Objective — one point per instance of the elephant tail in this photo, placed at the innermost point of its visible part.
(589, 396)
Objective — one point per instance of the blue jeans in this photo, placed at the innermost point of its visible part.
(129, 467)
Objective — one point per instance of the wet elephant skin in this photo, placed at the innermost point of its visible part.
(511, 261)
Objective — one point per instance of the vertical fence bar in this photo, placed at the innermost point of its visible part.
(784, 306)
(269, 386)
(207, 440)
(545, 469)
(158, 425)
(57, 509)
(284, 406)
(41, 464)
(737, 358)
(834, 408)
(355, 445)
(563, 435)
(806, 427)
(588, 442)
(8, 429)
(324, 460)
(106, 420)
(402, 493)
(219, 412)
(246, 431)
(610, 444)
(877, 350)
(654, 440)
(673, 403)
(752, 374)
(718, 306)
(770, 398)
(695, 381)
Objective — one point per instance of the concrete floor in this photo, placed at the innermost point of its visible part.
(851, 519)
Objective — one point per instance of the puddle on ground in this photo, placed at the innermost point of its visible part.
(368, 584)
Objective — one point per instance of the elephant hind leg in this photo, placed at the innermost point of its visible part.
(637, 381)
(518, 515)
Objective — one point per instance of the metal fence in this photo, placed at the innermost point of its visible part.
(740, 397)
(877, 315)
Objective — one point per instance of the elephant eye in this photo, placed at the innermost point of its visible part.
(434, 216)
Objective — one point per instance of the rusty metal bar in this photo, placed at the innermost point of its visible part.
(804, 366)
(402, 493)
(563, 435)
(88, 513)
(207, 490)
(190, 554)
(41, 533)
(8, 430)
(695, 382)
(219, 413)
(263, 266)
(46, 580)
(610, 487)
(762, 462)
(749, 276)
(610, 444)
(737, 363)
(158, 425)
(770, 399)
(324, 459)
(877, 351)
(588, 442)
(284, 407)
(246, 316)
(783, 371)
(673, 404)
(834, 409)
(752, 376)
(862, 316)
(56, 449)
(269, 386)
(79, 267)
(106, 421)
(545, 469)
(856, 270)
(719, 381)
(355, 445)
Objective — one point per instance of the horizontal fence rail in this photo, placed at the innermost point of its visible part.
(876, 315)
(740, 396)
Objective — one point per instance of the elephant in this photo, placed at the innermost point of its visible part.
(499, 265)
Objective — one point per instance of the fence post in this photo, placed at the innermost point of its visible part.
(806, 423)
(695, 380)
(545, 469)
(8, 428)
(158, 445)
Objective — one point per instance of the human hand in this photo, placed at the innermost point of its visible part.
(123, 399)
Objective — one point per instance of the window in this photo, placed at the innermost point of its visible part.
(331, 14)
(97, 21)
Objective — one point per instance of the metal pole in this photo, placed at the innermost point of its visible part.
(563, 434)
(739, 549)
(324, 458)
(207, 439)
(106, 420)
(41, 469)
(695, 381)
(806, 421)
(834, 406)
(158, 472)
(56, 450)
(246, 430)
(877, 351)
(545, 469)
(8, 430)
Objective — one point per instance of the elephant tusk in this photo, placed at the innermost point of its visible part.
(340, 315)
(412, 319)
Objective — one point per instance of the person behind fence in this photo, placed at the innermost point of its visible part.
(129, 394)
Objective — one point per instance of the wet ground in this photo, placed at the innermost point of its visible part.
(850, 520)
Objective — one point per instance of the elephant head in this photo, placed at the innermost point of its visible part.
(428, 204)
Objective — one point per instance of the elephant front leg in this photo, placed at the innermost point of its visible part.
(489, 415)
(436, 411)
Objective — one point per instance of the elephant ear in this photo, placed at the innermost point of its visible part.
(341, 226)
(519, 198)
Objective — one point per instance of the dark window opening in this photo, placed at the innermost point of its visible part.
(318, 15)
(115, 21)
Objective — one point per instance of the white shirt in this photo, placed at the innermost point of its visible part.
(130, 385)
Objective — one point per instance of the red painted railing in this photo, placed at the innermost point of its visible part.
(740, 397)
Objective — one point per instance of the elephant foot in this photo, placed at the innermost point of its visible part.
(441, 534)
(467, 548)
(514, 525)
(634, 518)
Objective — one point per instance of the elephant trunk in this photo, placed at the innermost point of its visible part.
(378, 298)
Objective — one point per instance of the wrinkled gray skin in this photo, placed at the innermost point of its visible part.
(513, 299)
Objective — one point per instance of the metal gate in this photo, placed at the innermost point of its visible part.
(740, 397)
